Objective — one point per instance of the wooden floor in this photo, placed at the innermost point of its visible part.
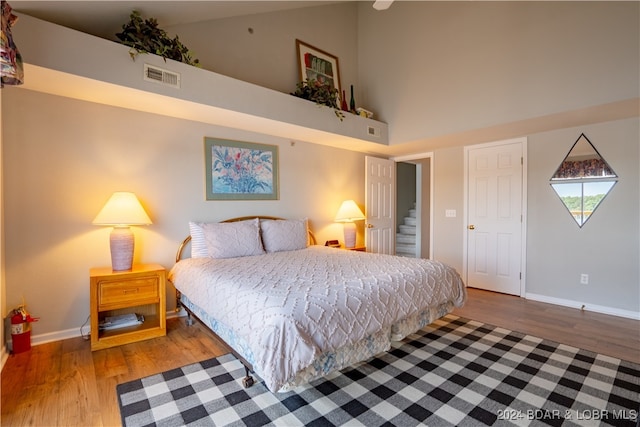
(65, 384)
(610, 335)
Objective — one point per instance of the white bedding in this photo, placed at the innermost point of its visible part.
(291, 307)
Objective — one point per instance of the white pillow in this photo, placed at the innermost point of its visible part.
(233, 239)
(198, 245)
(284, 234)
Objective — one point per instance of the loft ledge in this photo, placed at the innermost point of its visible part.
(69, 63)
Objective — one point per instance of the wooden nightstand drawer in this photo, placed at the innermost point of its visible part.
(131, 292)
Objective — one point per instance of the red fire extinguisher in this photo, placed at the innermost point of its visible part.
(21, 329)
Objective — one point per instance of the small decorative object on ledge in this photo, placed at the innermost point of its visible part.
(321, 94)
(364, 113)
(316, 64)
(144, 36)
(11, 68)
(352, 105)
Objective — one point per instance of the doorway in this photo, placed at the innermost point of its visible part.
(495, 198)
(414, 190)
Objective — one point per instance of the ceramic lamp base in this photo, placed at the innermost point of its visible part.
(121, 241)
(349, 235)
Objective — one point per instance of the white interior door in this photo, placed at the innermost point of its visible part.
(380, 184)
(495, 217)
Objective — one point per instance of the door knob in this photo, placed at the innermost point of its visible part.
(471, 227)
(369, 225)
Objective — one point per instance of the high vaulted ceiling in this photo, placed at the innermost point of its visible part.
(105, 18)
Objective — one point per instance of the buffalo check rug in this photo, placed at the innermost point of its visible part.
(454, 372)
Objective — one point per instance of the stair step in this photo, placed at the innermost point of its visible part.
(406, 250)
(412, 213)
(407, 229)
(409, 239)
(410, 221)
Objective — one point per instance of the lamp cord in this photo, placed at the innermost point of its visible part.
(86, 337)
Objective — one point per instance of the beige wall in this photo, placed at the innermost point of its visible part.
(474, 65)
(607, 247)
(3, 288)
(63, 158)
(267, 56)
(426, 68)
(432, 69)
(448, 233)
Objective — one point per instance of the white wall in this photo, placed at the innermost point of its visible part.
(3, 287)
(607, 247)
(439, 69)
(432, 69)
(268, 56)
(427, 68)
(62, 160)
(448, 232)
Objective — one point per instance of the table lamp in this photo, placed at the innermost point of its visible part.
(122, 210)
(348, 213)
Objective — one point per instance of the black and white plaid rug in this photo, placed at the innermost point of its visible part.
(453, 372)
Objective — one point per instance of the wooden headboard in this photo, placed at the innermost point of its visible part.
(179, 254)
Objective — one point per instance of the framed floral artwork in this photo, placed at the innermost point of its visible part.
(238, 170)
(316, 64)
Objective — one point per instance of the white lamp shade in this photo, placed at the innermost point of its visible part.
(123, 208)
(349, 212)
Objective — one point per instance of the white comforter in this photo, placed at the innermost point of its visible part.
(290, 307)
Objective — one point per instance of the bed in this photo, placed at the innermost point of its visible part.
(293, 311)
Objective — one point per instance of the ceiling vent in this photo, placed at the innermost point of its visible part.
(164, 77)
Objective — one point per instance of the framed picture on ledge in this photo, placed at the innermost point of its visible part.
(236, 170)
(316, 64)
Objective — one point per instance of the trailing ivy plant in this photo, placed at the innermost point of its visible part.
(144, 36)
(320, 93)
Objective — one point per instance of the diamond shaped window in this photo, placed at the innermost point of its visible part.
(582, 180)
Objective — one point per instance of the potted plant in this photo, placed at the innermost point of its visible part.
(144, 36)
(320, 93)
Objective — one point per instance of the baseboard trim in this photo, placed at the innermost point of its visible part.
(75, 332)
(585, 306)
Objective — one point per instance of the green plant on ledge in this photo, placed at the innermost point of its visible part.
(320, 93)
(144, 36)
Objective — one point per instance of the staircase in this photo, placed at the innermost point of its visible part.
(406, 236)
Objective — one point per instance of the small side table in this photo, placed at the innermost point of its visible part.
(140, 290)
(357, 248)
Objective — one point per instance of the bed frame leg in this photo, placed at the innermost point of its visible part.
(189, 319)
(247, 381)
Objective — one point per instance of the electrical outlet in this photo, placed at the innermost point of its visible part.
(584, 279)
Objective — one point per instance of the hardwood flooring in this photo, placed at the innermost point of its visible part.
(610, 335)
(65, 384)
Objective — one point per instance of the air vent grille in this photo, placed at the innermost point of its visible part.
(164, 77)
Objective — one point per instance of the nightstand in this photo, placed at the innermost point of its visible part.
(140, 290)
(357, 248)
